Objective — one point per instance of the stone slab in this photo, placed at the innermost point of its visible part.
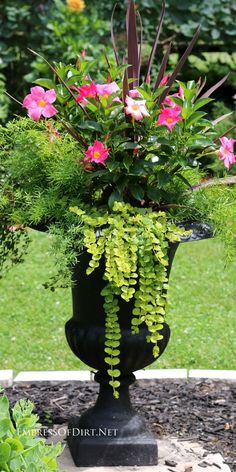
(53, 376)
(189, 456)
(161, 374)
(6, 378)
(212, 374)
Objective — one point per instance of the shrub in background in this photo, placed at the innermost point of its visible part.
(50, 26)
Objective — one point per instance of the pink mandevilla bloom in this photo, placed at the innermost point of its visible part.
(226, 151)
(164, 80)
(136, 108)
(39, 102)
(85, 91)
(104, 90)
(97, 153)
(168, 101)
(169, 117)
(134, 93)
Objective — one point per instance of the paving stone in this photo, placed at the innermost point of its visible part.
(161, 374)
(213, 374)
(6, 378)
(53, 376)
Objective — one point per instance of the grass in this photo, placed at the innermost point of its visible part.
(201, 314)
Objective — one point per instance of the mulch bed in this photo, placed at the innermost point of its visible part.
(204, 411)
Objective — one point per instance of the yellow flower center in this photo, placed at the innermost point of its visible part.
(41, 103)
(169, 120)
(96, 154)
(135, 107)
(225, 151)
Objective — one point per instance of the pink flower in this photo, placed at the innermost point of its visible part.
(134, 93)
(181, 92)
(169, 117)
(164, 80)
(226, 151)
(97, 153)
(39, 102)
(168, 101)
(85, 91)
(136, 108)
(105, 90)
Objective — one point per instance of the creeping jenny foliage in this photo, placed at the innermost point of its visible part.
(134, 243)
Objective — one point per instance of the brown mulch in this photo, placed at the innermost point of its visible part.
(196, 410)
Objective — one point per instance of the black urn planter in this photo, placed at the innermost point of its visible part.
(111, 433)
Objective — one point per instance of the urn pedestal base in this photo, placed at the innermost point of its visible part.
(111, 433)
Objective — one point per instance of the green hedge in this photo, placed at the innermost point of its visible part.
(51, 28)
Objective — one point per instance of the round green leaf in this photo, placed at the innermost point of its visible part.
(5, 452)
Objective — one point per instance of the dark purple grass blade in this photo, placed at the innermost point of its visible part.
(162, 67)
(133, 55)
(107, 60)
(141, 41)
(125, 85)
(154, 47)
(113, 36)
(179, 66)
(211, 90)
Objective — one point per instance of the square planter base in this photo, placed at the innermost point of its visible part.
(102, 447)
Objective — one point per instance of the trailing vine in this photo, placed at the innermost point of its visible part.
(134, 243)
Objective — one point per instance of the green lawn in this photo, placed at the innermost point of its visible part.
(201, 314)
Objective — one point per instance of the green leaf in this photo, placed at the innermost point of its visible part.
(177, 100)
(47, 83)
(4, 407)
(114, 361)
(114, 383)
(127, 161)
(114, 372)
(91, 125)
(111, 343)
(181, 177)
(112, 165)
(5, 452)
(32, 468)
(187, 109)
(163, 178)
(5, 427)
(199, 142)
(137, 191)
(154, 194)
(114, 197)
(146, 94)
(194, 118)
(138, 168)
(116, 352)
(16, 445)
(128, 145)
(201, 102)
